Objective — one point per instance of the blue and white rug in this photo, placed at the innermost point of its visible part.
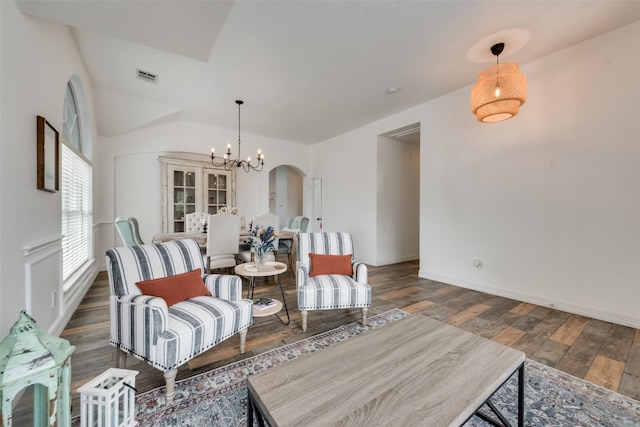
(219, 397)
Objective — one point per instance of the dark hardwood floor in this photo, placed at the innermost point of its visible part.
(603, 353)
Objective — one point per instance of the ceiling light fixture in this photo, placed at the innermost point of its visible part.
(229, 164)
(500, 91)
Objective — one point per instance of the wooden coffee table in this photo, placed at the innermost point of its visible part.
(414, 372)
(271, 268)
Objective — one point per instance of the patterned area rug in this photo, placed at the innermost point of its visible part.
(218, 397)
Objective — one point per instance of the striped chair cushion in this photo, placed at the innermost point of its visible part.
(333, 291)
(198, 324)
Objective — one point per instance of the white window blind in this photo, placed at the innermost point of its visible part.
(76, 210)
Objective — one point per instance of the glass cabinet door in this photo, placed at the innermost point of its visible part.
(216, 191)
(193, 186)
(184, 191)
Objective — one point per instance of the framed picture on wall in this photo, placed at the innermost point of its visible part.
(48, 156)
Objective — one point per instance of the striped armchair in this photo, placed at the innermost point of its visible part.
(330, 291)
(167, 337)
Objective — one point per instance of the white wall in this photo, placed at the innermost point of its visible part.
(547, 200)
(398, 202)
(130, 174)
(348, 166)
(38, 59)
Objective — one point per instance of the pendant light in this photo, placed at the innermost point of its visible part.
(500, 90)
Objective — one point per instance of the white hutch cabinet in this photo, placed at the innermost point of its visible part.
(190, 185)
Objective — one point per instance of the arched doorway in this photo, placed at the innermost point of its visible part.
(285, 192)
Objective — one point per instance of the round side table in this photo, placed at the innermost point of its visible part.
(268, 311)
(271, 268)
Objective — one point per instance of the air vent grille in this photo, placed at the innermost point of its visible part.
(147, 76)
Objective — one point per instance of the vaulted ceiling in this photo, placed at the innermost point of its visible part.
(307, 70)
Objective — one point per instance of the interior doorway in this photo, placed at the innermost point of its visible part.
(285, 192)
(398, 195)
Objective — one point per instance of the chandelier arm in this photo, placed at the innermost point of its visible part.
(237, 162)
(217, 165)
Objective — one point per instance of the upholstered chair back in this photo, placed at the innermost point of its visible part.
(193, 222)
(223, 241)
(128, 231)
(332, 243)
(223, 234)
(128, 265)
(299, 223)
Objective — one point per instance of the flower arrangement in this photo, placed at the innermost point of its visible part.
(262, 240)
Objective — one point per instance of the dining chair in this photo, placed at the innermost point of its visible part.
(264, 220)
(128, 230)
(223, 239)
(194, 222)
(295, 225)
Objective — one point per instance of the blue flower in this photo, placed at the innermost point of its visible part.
(262, 240)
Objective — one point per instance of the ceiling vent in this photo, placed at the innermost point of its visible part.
(147, 76)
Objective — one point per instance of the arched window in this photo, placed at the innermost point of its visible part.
(75, 186)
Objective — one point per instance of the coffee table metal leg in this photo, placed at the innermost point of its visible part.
(249, 410)
(284, 302)
(251, 407)
(503, 422)
(521, 396)
(252, 286)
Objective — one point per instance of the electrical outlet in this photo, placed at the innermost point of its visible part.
(53, 298)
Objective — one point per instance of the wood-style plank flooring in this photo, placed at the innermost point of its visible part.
(600, 352)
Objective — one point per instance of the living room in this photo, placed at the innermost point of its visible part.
(544, 201)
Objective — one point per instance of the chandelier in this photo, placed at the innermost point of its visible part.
(229, 164)
(500, 90)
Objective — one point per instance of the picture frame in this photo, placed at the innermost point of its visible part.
(48, 147)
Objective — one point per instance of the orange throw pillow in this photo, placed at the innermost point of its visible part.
(330, 264)
(174, 289)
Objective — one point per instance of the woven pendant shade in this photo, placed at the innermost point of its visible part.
(490, 108)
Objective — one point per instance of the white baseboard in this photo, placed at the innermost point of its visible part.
(397, 260)
(540, 300)
(73, 298)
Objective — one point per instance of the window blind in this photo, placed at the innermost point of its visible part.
(75, 192)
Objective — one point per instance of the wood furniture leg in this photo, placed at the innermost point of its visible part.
(304, 320)
(243, 340)
(121, 359)
(364, 316)
(170, 379)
